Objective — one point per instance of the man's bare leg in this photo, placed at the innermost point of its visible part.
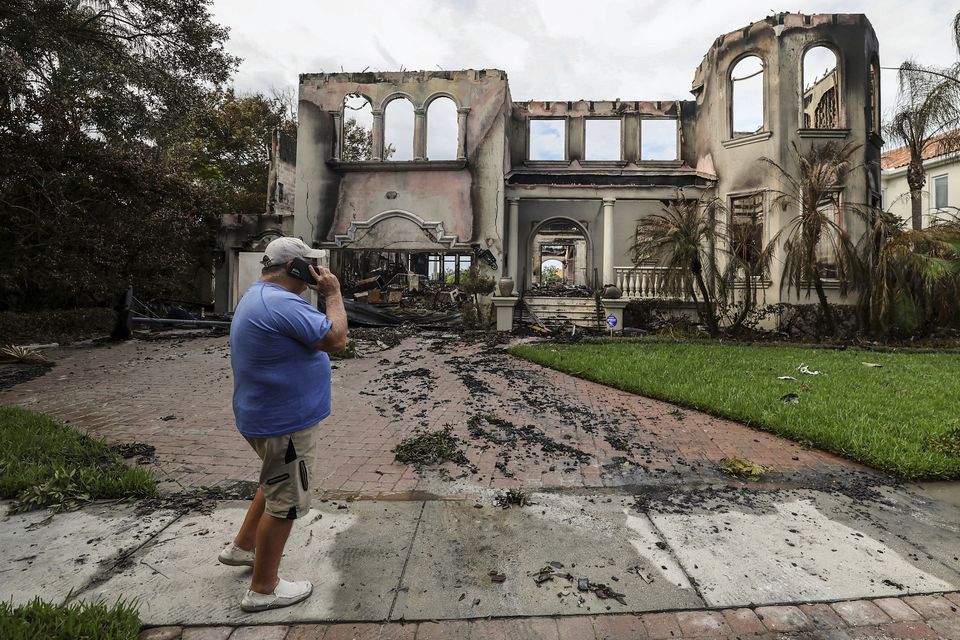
(271, 539)
(247, 538)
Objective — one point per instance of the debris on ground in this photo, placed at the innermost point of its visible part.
(948, 442)
(23, 355)
(743, 468)
(349, 352)
(202, 500)
(550, 572)
(583, 585)
(513, 440)
(803, 368)
(785, 378)
(512, 497)
(637, 570)
(12, 374)
(497, 577)
(144, 453)
(790, 398)
(872, 365)
(560, 290)
(430, 448)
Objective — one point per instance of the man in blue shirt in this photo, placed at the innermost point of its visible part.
(281, 393)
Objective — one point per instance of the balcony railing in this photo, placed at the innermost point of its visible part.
(648, 282)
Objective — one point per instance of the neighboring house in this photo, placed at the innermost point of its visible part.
(941, 193)
(421, 167)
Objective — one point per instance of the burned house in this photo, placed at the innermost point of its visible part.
(434, 171)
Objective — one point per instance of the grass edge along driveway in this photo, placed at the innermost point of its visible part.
(46, 464)
(902, 417)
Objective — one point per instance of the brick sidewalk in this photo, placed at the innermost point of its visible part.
(934, 617)
(521, 424)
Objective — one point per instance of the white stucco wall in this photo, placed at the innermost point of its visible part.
(896, 192)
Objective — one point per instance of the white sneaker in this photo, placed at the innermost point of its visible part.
(236, 557)
(285, 594)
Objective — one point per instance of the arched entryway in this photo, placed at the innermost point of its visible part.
(559, 253)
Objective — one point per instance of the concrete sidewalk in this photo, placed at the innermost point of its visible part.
(629, 504)
(383, 561)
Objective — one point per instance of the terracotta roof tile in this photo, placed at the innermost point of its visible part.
(938, 146)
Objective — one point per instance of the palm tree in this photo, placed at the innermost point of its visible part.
(928, 114)
(814, 240)
(914, 275)
(681, 238)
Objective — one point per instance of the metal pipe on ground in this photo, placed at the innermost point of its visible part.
(174, 322)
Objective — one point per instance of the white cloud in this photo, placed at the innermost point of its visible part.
(551, 49)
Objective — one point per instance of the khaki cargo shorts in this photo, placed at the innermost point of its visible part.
(286, 471)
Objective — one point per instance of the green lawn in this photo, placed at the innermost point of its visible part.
(39, 620)
(46, 464)
(903, 417)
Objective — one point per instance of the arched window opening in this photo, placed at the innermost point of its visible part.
(821, 89)
(747, 91)
(559, 255)
(398, 130)
(357, 135)
(442, 130)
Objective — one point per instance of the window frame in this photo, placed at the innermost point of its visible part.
(841, 122)
(566, 139)
(934, 180)
(343, 126)
(760, 219)
(677, 155)
(588, 119)
(764, 131)
(384, 107)
(426, 124)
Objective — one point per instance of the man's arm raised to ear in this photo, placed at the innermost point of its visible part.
(328, 285)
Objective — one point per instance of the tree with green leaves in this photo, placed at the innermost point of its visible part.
(550, 274)
(358, 143)
(96, 100)
(926, 118)
(913, 276)
(230, 147)
(815, 243)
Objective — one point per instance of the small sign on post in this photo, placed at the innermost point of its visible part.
(611, 322)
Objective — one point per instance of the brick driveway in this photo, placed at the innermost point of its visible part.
(519, 424)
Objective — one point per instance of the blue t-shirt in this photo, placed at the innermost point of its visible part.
(281, 382)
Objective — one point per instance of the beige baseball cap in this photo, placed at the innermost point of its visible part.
(283, 250)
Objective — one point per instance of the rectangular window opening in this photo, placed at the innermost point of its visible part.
(940, 192)
(602, 140)
(831, 208)
(548, 139)
(746, 229)
(658, 140)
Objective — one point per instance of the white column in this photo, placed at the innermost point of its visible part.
(419, 134)
(337, 136)
(513, 241)
(377, 151)
(462, 132)
(608, 240)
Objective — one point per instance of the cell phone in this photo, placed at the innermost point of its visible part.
(300, 269)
